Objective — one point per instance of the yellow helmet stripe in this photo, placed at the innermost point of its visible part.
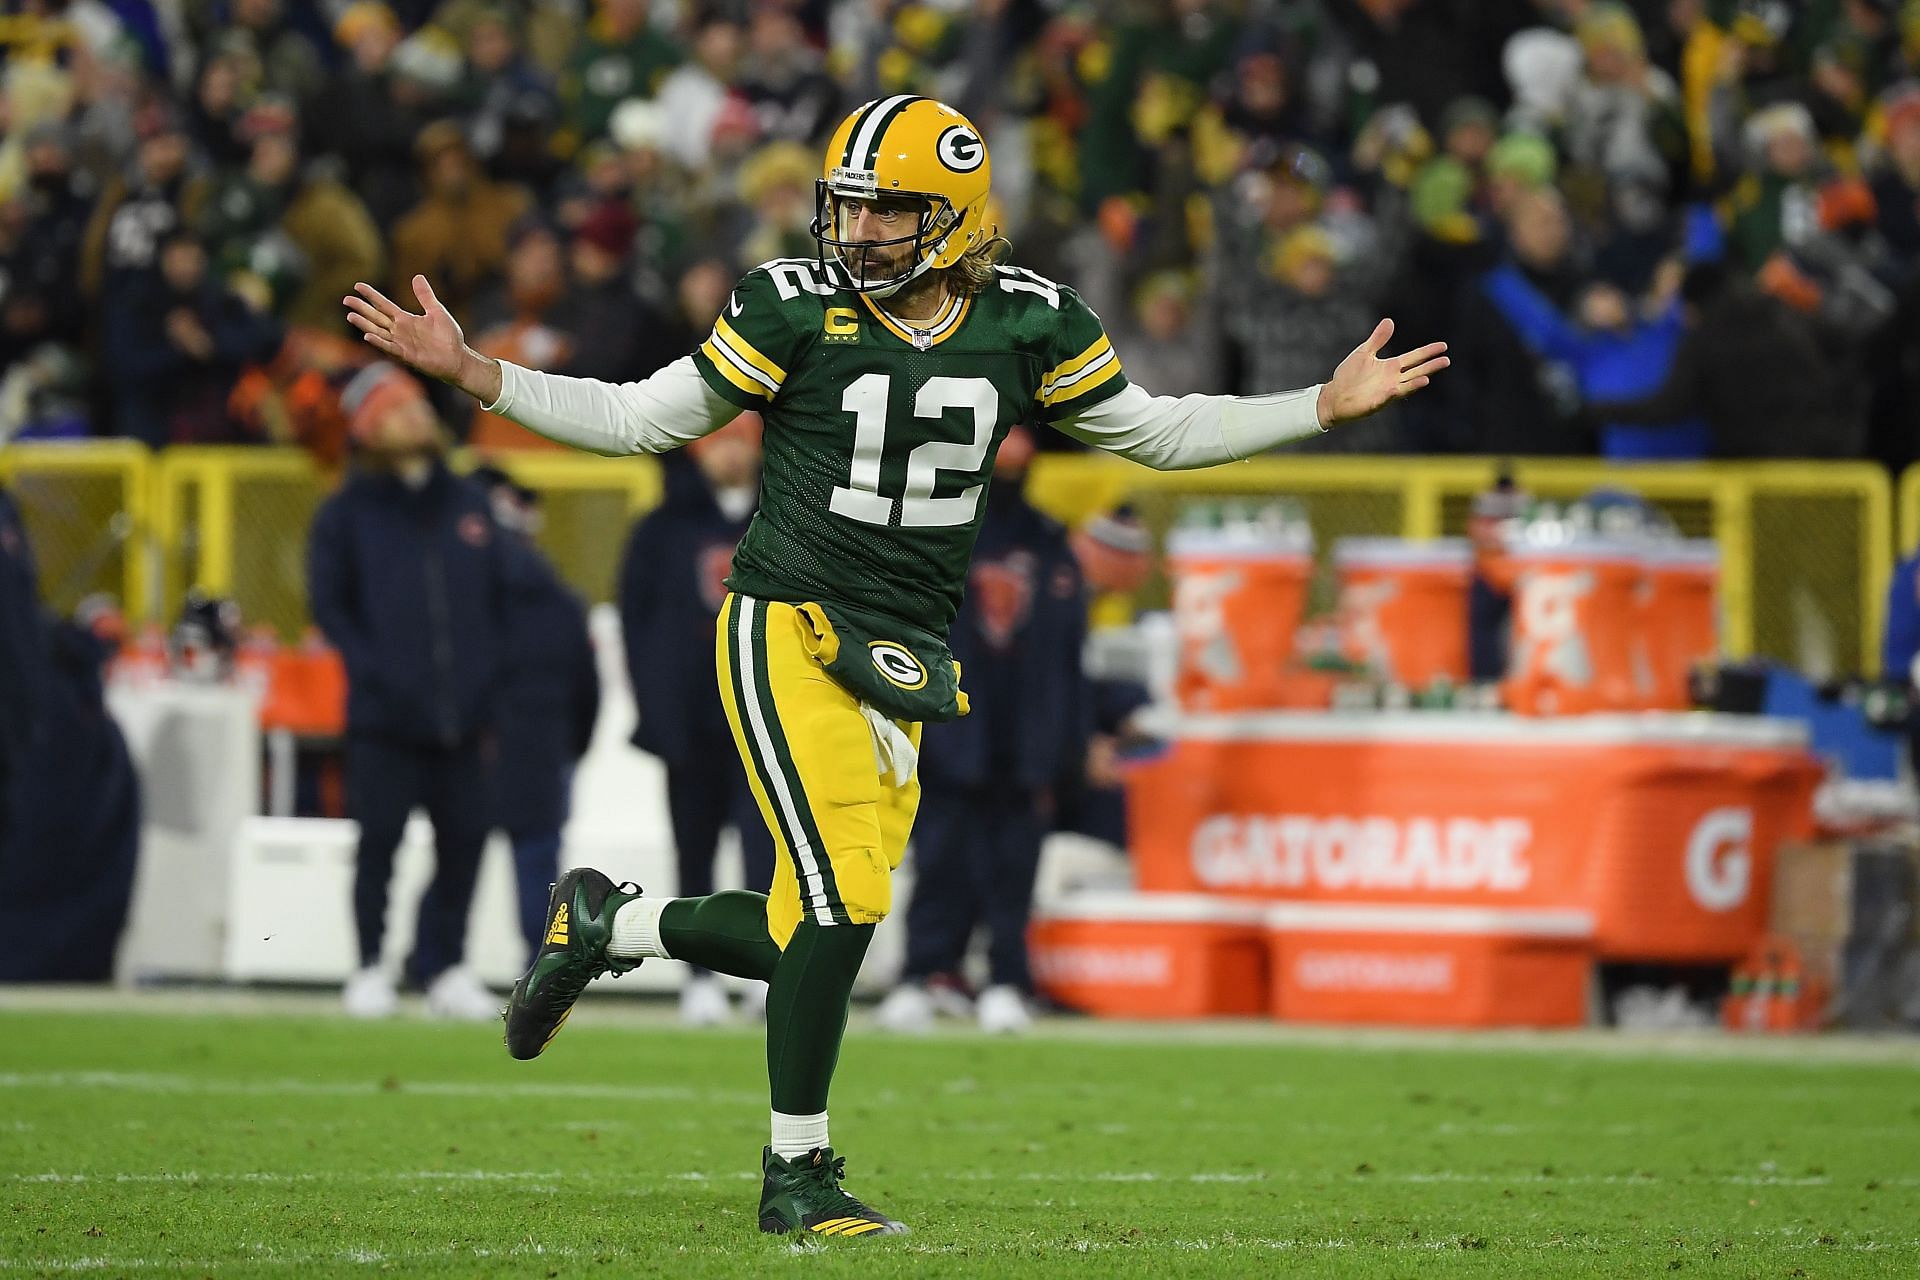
(865, 146)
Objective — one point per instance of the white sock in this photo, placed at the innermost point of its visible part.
(794, 1136)
(636, 930)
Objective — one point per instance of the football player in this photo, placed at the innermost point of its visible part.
(887, 368)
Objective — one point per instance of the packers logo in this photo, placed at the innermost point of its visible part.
(897, 663)
(960, 149)
(841, 325)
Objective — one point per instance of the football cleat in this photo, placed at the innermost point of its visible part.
(804, 1196)
(573, 953)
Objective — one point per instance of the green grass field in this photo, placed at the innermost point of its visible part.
(294, 1143)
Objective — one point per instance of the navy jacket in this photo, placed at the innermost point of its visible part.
(70, 830)
(411, 587)
(1019, 638)
(22, 641)
(549, 695)
(671, 588)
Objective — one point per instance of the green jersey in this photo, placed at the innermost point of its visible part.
(880, 439)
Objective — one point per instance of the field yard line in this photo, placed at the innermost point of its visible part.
(157, 1082)
(981, 1176)
(367, 1256)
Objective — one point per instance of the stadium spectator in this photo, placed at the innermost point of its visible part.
(285, 52)
(1293, 320)
(989, 780)
(297, 224)
(785, 78)
(1506, 400)
(177, 345)
(1614, 353)
(612, 333)
(213, 113)
(549, 700)
(1751, 369)
(43, 226)
(408, 577)
(1165, 341)
(619, 55)
(1896, 180)
(1625, 139)
(672, 581)
(514, 320)
(458, 231)
(370, 113)
(697, 92)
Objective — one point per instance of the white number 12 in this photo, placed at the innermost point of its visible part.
(860, 498)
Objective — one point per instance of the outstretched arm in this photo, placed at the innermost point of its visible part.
(1171, 433)
(662, 412)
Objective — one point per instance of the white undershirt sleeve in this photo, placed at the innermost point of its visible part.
(1177, 433)
(673, 407)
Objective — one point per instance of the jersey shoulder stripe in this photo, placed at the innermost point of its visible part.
(1092, 368)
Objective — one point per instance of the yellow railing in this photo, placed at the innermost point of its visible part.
(87, 509)
(234, 521)
(1806, 547)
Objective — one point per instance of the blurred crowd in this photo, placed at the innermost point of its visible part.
(1656, 228)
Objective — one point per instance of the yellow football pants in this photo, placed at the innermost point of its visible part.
(841, 828)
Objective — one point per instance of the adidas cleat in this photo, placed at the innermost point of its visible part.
(579, 927)
(804, 1196)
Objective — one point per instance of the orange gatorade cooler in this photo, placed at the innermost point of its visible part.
(1403, 607)
(1575, 606)
(1239, 592)
(1680, 616)
(1151, 955)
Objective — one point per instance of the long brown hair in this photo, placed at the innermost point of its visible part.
(974, 271)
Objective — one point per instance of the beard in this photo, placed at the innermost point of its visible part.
(878, 265)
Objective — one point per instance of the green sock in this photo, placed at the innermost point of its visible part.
(807, 1012)
(725, 932)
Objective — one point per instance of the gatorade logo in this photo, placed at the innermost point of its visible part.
(961, 150)
(1298, 851)
(1719, 863)
(1374, 971)
(1104, 966)
(897, 663)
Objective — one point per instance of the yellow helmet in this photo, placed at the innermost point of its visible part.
(903, 148)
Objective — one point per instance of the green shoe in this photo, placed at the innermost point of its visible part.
(579, 927)
(804, 1194)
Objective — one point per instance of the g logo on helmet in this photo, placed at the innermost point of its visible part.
(1719, 863)
(897, 663)
(961, 150)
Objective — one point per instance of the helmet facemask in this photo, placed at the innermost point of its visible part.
(859, 265)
